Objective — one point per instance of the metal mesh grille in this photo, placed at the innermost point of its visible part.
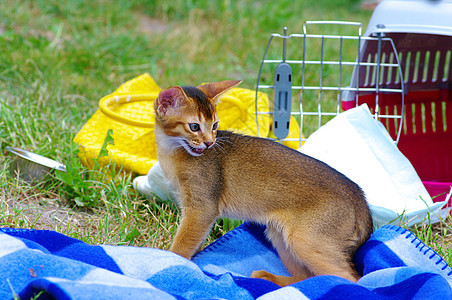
(330, 72)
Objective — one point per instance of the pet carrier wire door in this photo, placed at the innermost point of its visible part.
(422, 33)
(317, 76)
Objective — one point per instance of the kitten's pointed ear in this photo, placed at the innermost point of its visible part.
(169, 99)
(215, 89)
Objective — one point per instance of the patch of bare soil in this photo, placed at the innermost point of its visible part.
(149, 25)
(32, 209)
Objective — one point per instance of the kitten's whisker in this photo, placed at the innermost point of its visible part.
(179, 149)
(221, 139)
(217, 145)
(222, 142)
(224, 139)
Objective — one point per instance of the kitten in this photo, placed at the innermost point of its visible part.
(315, 217)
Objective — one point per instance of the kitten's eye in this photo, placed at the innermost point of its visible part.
(215, 126)
(194, 127)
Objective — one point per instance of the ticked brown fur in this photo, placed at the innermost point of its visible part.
(316, 217)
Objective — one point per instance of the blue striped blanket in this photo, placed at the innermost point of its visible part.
(395, 265)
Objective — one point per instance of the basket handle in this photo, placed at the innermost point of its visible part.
(239, 104)
(104, 106)
(120, 98)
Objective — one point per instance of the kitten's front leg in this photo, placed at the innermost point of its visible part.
(194, 227)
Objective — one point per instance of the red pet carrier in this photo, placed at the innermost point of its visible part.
(422, 34)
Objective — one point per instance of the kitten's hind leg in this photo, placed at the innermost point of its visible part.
(293, 265)
(322, 255)
(304, 257)
(192, 231)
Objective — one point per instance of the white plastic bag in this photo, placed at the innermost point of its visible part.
(154, 183)
(358, 146)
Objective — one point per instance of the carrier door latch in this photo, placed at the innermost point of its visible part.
(283, 100)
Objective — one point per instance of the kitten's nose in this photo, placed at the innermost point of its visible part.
(208, 144)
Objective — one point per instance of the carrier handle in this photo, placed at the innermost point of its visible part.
(346, 23)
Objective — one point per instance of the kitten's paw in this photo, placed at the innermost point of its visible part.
(262, 275)
(278, 279)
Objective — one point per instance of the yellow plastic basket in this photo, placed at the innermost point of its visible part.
(129, 113)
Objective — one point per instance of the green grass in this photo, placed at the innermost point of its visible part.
(58, 58)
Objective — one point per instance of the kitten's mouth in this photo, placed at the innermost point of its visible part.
(192, 150)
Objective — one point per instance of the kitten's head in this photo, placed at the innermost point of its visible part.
(187, 116)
